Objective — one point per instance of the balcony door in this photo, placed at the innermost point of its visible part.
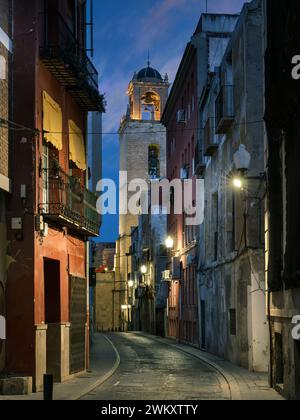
(45, 179)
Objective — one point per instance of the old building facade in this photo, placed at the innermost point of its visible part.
(142, 156)
(233, 322)
(5, 138)
(181, 117)
(51, 212)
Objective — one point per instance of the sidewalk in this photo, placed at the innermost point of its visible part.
(242, 384)
(104, 362)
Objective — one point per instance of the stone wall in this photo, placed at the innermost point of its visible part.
(231, 270)
(107, 302)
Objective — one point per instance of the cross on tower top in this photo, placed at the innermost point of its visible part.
(148, 61)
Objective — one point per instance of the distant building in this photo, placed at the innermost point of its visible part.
(148, 291)
(6, 48)
(104, 256)
(51, 213)
(143, 156)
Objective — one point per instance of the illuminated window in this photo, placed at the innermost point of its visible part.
(150, 107)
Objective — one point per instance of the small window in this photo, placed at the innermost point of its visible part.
(154, 165)
(232, 321)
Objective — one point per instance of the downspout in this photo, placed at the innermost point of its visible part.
(87, 257)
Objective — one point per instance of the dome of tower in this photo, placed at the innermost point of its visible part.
(148, 74)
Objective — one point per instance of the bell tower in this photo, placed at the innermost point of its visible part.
(142, 152)
(148, 94)
(142, 136)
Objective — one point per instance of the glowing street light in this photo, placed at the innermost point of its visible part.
(169, 242)
(238, 183)
(144, 269)
(131, 284)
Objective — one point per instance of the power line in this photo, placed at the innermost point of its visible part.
(37, 131)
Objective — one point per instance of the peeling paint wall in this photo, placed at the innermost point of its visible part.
(233, 321)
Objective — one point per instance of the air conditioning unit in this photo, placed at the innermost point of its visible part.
(181, 117)
(176, 268)
(184, 173)
(166, 275)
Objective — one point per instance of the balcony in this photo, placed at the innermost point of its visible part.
(66, 202)
(224, 110)
(64, 57)
(210, 144)
(200, 166)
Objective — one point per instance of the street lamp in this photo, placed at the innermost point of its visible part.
(238, 183)
(144, 269)
(131, 284)
(242, 159)
(169, 242)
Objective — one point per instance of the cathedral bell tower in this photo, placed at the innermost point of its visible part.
(142, 136)
(142, 151)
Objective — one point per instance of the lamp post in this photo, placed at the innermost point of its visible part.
(242, 161)
(169, 242)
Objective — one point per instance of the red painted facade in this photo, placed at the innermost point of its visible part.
(181, 143)
(38, 290)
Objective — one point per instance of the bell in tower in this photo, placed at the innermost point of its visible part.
(148, 93)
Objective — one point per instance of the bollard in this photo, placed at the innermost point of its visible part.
(48, 387)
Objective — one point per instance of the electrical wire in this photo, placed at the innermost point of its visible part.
(18, 127)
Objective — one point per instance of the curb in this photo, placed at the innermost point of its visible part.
(104, 378)
(231, 382)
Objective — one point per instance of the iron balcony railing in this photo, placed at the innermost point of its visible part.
(199, 161)
(64, 55)
(65, 201)
(210, 142)
(224, 109)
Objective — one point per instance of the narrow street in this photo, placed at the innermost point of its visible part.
(152, 370)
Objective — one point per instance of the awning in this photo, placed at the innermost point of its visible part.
(76, 146)
(52, 121)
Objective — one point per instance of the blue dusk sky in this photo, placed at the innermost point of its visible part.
(124, 32)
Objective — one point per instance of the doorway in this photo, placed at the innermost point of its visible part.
(52, 291)
(279, 367)
(297, 369)
(53, 317)
(203, 325)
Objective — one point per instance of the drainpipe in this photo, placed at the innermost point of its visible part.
(87, 257)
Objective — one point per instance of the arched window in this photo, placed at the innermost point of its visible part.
(154, 164)
(150, 106)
